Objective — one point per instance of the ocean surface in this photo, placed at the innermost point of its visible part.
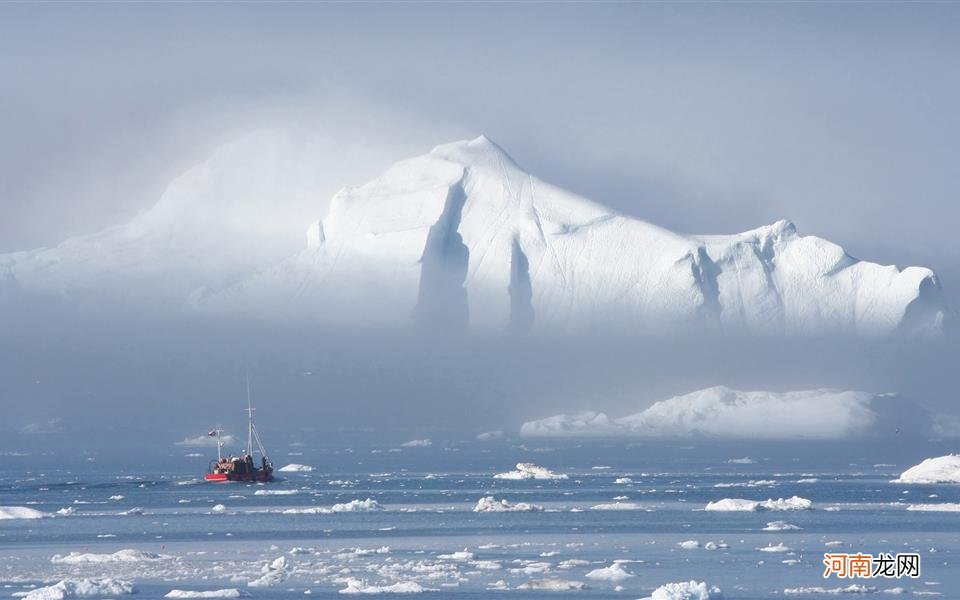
(376, 517)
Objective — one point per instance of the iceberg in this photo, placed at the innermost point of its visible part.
(295, 468)
(20, 512)
(614, 572)
(780, 504)
(942, 469)
(530, 471)
(461, 237)
(81, 588)
(723, 413)
(686, 590)
(491, 504)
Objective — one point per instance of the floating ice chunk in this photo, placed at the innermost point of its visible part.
(530, 471)
(552, 585)
(614, 572)
(353, 506)
(689, 544)
(272, 573)
(127, 555)
(20, 512)
(276, 492)
(780, 526)
(81, 588)
(359, 586)
(225, 593)
(944, 507)
(686, 590)
(622, 480)
(850, 589)
(218, 509)
(780, 504)
(425, 443)
(65, 512)
(746, 460)
(488, 436)
(116, 497)
(491, 504)
(136, 510)
(781, 547)
(942, 469)
(459, 555)
(617, 506)
(295, 468)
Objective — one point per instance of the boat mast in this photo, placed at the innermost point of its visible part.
(249, 420)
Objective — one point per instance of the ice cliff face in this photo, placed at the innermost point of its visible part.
(462, 238)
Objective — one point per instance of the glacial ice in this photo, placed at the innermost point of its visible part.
(942, 469)
(723, 413)
(686, 590)
(780, 504)
(491, 504)
(530, 471)
(81, 588)
(295, 468)
(20, 512)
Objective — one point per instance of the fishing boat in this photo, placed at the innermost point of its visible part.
(243, 467)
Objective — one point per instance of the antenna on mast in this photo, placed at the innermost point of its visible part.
(249, 419)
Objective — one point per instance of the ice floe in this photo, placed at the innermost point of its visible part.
(614, 572)
(780, 504)
(617, 506)
(425, 443)
(80, 588)
(552, 585)
(127, 555)
(530, 471)
(295, 468)
(942, 469)
(943, 507)
(224, 593)
(276, 492)
(491, 504)
(20, 512)
(686, 590)
(359, 586)
(780, 526)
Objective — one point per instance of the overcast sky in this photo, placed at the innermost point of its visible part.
(702, 118)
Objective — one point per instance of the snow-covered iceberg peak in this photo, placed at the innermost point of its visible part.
(463, 238)
(723, 413)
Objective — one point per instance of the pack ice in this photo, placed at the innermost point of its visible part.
(462, 237)
(722, 412)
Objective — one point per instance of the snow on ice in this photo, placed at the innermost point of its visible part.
(724, 413)
(942, 469)
(530, 471)
(739, 504)
(686, 590)
(491, 504)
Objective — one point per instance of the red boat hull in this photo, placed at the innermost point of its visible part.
(255, 476)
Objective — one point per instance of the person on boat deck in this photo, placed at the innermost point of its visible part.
(263, 463)
(248, 463)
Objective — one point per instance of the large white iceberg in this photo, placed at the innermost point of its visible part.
(942, 469)
(722, 412)
(461, 237)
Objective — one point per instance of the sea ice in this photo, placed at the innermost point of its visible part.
(491, 504)
(780, 504)
(225, 593)
(530, 471)
(942, 469)
(81, 588)
(127, 555)
(295, 468)
(20, 512)
(686, 590)
(614, 572)
(552, 585)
